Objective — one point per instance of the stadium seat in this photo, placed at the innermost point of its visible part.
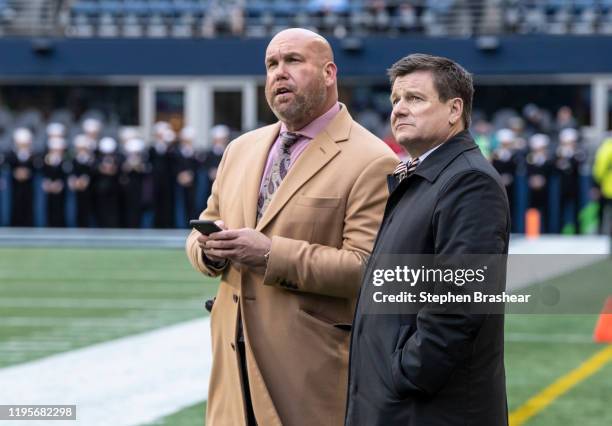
(156, 27)
(85, 7)
(107, 26)
(136, 8)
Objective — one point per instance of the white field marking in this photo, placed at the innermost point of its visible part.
(74, 282)
(547, 338)
(101, 303)
(89, 322)
(128, 381)
(560, 244)
(547, 257)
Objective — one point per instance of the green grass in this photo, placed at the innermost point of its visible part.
(56, 300)
(554, 345)
(190, 416)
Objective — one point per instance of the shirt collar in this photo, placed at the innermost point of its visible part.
(422, 157)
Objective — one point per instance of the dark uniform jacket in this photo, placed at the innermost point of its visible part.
(431, 368)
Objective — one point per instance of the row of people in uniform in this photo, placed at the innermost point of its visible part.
(109, 184)
(539, 170)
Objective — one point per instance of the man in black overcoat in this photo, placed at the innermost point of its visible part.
(429, 364)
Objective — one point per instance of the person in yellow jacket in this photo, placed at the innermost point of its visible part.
(602, 173)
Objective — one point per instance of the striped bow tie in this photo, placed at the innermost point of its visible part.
(403, 170)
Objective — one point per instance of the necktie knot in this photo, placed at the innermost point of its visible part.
(288, 139)
(403, 170)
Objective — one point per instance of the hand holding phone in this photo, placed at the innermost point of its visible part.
(204, 227)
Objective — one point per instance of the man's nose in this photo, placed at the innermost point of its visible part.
(280, 73)
(400, 109)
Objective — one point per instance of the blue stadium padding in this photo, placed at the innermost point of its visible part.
(554, 204)
(70, 208)
(519, 54)
(201, 189)
(147, 219)
(585, 182)
(40, 202)
(179, 211)
(568, 215)
(5, 199)
(521, 201)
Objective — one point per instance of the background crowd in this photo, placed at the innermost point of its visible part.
(340, 18)
(89, 176)
(96, 180)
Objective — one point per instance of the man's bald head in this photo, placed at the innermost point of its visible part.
(300, 76)
(303, 37)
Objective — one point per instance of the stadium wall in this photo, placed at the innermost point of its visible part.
(26, 58)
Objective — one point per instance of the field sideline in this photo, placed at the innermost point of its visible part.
(58, 300)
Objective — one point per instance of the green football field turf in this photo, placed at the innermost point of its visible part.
(56, 300)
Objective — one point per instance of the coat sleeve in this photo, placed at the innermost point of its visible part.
(471, 217)
(212, 212)
(331, 271)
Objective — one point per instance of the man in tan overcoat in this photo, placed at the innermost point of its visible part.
(300, 202)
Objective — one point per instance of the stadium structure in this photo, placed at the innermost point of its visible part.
(113, 321)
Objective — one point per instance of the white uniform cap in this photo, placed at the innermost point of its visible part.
(188, 133)
(504, 135)
(83, 141)
(56, 129)
(160, 126)
(92, 125)
(22, 135)
(134, 146)
(169, 135)
(128, 133)
(107, 145)
(538, 141)
(56, 142)
(568, 135)
(220, 131)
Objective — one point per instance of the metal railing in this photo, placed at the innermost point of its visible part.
(260, 18)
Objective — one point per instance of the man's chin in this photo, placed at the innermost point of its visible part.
(405, 138)
(286, 114)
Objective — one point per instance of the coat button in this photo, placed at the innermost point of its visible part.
(235, 298)
(233, 346)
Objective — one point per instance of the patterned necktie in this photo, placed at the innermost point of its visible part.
(402, 171)
(278, 171)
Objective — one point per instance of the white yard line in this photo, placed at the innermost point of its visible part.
(98, 303)
(551, 256)
(128, 381)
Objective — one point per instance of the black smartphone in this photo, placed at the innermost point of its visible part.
(205, 227)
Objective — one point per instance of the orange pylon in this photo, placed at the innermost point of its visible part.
(603, 329)
(532, 223)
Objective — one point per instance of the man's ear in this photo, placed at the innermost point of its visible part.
(456, 110)
(329, 71)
